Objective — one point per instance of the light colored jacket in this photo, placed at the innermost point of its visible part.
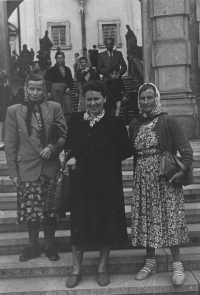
(22, 151)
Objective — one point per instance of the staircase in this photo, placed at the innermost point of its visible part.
(41, 276)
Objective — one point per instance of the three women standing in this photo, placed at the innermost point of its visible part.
(158, 216)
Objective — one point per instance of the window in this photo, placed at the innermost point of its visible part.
(109, 29)
(59, 33)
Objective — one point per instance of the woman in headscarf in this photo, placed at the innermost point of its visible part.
(158, 216)
(33, 159)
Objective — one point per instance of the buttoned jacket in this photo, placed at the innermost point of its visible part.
(23, 151)
(105, 67)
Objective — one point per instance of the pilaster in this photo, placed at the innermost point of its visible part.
(167, 58)
(4, 40)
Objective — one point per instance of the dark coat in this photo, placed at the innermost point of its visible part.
(80, 75)
(94, 58)
(5, 101)
(97, 214)
(105, 67)
(54, 76)
(170, 136)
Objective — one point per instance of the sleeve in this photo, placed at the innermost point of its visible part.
(101, 69)
(69, 81)
(180, 141)
(124, 148)
(123, 65)
(11, 141)
(59, 120)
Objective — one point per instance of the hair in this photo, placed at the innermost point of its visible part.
(34, 77)
(95, 85)
(83, 58)
(109, 38)
(76, 54)
(146, 87)
(84, 49)
(94, 46)
(59, 53)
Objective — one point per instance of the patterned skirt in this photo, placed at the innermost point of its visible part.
(31, 197)
(158, 214)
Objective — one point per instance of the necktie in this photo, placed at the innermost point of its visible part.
(111, 58)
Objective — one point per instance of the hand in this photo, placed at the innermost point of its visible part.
(72, 163)
(177, 178)
(67, 91)
(16, 181)
(46, 153)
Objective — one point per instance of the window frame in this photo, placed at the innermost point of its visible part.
(100, 24)
(68, 45)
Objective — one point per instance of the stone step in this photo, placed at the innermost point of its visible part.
(157, 284)
(8, 201)
(120, 261)
(14, 242)
(8, 218)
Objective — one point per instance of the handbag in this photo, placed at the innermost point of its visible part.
(58, 195)
(170, 164)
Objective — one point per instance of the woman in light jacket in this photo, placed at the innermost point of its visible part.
(33, 160)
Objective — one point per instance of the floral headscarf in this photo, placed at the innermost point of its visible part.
(157, 109)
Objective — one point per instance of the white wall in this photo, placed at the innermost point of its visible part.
(35, 14)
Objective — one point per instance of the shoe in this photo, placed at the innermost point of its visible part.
(73, 280)
(103, 279)
(51, 254)
(29, 253)
(178, 277)
(148, 270)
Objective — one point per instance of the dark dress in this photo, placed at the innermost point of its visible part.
(98, 212)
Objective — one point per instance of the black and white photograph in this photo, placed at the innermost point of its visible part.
(99, 147)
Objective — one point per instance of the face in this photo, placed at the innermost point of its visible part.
(147, 100)
(35, 90)
(109, 45)
(94, 102)
(60, 59)
(83, 63)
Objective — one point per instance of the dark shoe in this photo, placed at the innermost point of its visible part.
(73, 280)
(29, 253)
(103, 279)
(51, 254)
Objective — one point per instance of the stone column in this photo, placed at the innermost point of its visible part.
(4, 40)
(167, 58)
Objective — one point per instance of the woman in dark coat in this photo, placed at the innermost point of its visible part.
(98, 143)
(158, 215)
(60, 78)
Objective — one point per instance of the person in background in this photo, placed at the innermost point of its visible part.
(158, 215)
(14, 56)
(98, 143)
(5, 101)
(76, 64)
(83, 75)
(33, 160)
(59, 77)
(112, 66)
(94, 57)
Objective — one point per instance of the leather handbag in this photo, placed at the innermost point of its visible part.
(58, 195)
(170, 164)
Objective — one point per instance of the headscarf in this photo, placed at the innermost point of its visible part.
(30, 109)
(157, 109)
